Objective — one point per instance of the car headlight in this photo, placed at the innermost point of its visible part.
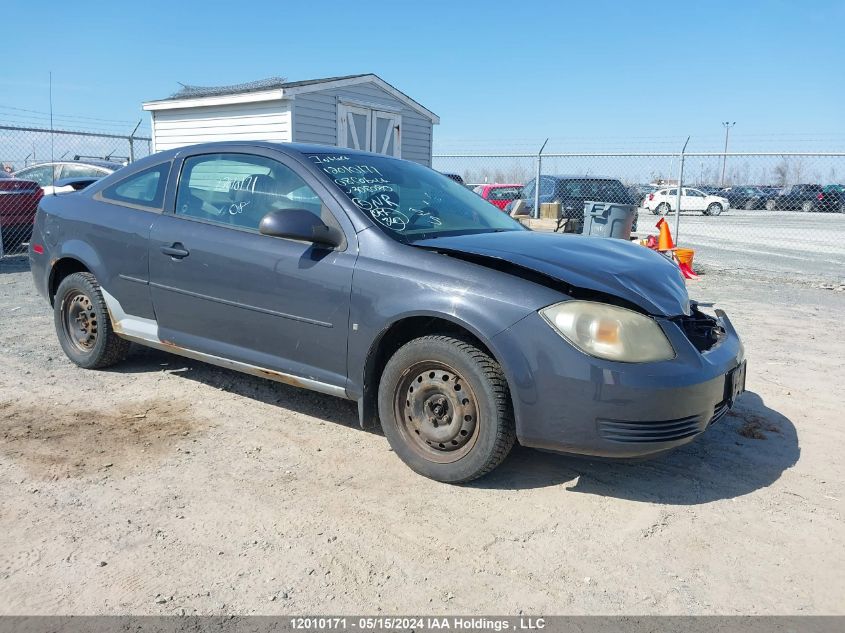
(610, 332)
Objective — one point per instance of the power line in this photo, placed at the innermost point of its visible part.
(67, 116)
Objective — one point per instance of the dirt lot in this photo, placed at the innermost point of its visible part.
(169, 486)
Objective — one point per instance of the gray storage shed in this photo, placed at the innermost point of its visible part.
(358, 111)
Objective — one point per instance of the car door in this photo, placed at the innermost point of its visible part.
(693, 200)
(219, 287)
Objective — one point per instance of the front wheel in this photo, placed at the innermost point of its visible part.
(663, 209)
(808, 206)
(445, 408)
(770, 205)
(83, 325)
(713, 209)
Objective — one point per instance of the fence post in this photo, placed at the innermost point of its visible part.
(680, 184)
(536, 213)
(132, 142)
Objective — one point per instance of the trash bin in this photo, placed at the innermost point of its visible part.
(607, 219)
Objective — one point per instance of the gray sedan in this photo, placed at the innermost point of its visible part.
(379, 280)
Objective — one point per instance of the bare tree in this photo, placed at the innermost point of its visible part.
(781, 171)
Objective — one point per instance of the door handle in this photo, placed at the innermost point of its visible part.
(176, 251)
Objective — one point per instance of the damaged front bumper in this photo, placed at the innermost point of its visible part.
(567, 401)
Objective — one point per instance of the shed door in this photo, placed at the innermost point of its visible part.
(385, 133)
(369, 130)
(354, 130)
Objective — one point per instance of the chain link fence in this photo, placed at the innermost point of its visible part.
(784, 209)
(765, 211)
(37, 161)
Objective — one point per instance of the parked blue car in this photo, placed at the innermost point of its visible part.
(379, 280)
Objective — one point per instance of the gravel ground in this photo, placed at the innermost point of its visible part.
(166, 486)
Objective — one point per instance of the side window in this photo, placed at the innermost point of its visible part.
(144, 189)
(239, 189)
(43, 174)
(503, 193)
(547, 186)
(673, 192)
(82, 171)
(528, 190)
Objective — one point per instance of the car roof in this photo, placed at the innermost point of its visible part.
(113, 165)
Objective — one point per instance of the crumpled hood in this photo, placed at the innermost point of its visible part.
(613, 266)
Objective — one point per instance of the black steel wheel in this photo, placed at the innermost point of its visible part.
(445, 408)
(83, 325)
(437, 411)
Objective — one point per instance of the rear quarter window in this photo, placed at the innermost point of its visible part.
(143, 189)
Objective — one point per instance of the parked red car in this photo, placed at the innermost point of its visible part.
(498, 194)
(18, 203)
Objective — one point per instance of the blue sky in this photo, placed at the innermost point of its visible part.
(501, 75)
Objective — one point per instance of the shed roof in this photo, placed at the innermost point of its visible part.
(274, 88)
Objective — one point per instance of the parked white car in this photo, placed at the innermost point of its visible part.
(664, 201)
(46, 174)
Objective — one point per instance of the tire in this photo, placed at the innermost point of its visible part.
(714, 208)
(808, 206)
(445, 409)
(83, 324)
(663, 209)
(771, 205)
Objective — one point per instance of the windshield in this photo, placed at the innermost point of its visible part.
(409, 201)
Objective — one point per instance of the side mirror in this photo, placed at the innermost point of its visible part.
(299, 224)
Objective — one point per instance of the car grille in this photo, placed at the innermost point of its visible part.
(638, 432)
(665, 431)
(719, 412)
(701, 329)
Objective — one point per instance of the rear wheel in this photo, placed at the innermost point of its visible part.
(445, 409)
(808, 206)
(83, 325)
(713, 209)
(770, 205)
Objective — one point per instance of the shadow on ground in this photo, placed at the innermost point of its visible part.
(320, 406)
(746, 451)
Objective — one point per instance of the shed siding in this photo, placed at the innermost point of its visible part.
(315, 118)
(263, 121)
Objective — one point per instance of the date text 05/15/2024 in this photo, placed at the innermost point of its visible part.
(457, 623)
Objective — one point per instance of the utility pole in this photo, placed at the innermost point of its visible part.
(728, 125)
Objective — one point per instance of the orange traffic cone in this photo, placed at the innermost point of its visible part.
(664, 242)
(684, 258)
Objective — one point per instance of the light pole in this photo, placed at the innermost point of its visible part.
(728, 125)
